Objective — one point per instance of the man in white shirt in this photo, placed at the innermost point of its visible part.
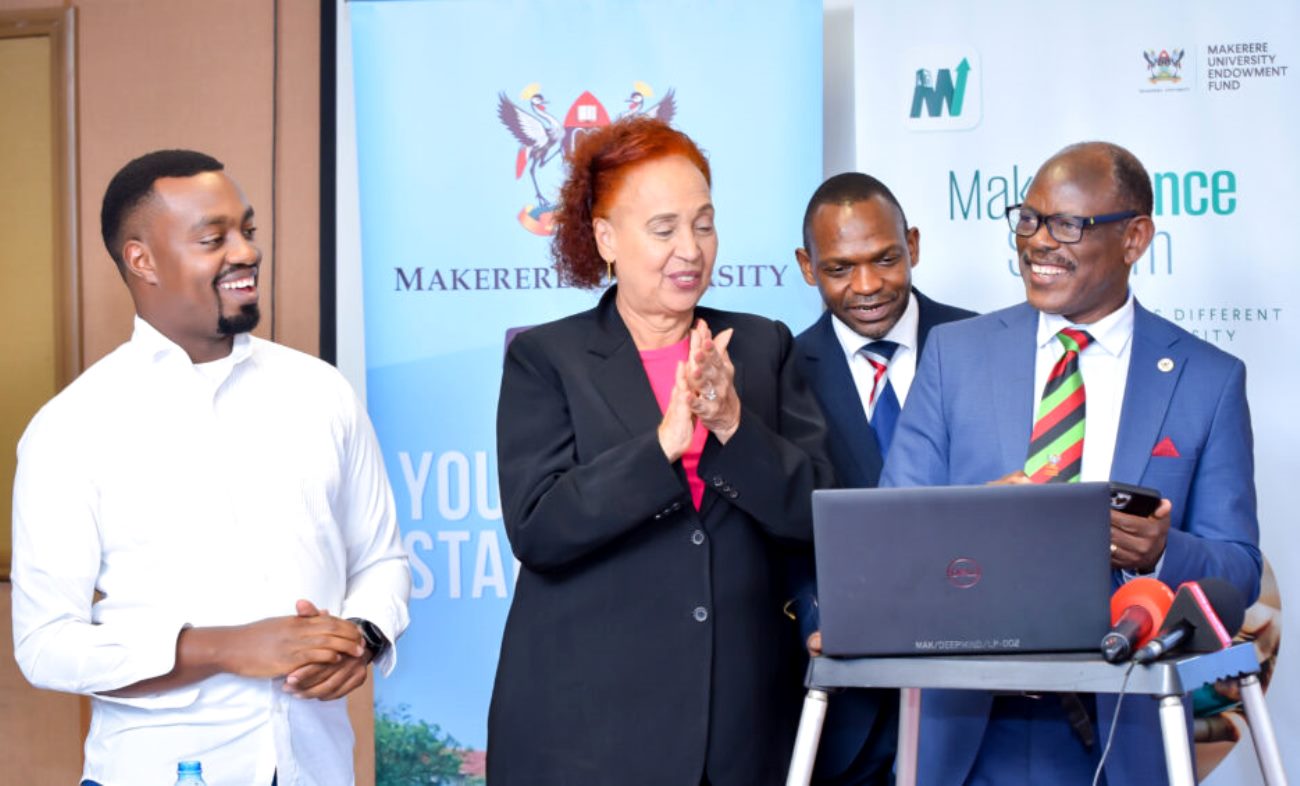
(1080, 383)
(205, 540)
(859, 358)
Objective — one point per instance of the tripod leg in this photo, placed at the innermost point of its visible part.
(805, 742)
(1261, 731)
(1178, 751)
(909, 735)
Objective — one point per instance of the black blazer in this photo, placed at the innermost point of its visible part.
(852, 736)
(645, 643)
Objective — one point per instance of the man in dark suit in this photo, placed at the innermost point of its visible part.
(859, 358)
(1126, 396)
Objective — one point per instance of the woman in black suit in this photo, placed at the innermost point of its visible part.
(656, 461)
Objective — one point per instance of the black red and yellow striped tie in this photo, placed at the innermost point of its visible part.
(1056, 446)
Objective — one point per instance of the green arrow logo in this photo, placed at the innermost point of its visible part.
(963, 69)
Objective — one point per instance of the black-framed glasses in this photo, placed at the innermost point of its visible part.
(1063, 228)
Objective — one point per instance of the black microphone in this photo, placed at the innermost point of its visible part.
(1137, 611)
(1203, 618)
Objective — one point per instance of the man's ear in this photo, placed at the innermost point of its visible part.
(805, 265)
(914, 244)
(1137, 236)
(138, 262)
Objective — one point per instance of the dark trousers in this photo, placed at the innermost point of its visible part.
(1030, 741)
(868, 718)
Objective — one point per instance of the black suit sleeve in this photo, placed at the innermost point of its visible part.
(557, 510)
(770, 466)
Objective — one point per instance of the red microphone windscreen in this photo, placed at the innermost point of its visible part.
(1151, 595)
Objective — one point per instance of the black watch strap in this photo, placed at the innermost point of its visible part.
(376, 641)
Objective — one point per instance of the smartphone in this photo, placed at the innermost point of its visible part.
(1133, 500)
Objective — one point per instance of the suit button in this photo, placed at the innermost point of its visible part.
(701, 614)
(717, 481)
(676, 507)
(697, 537)
(730, 492)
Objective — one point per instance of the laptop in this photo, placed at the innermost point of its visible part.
(963, 569)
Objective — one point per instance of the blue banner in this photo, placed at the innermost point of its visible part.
(464, 110)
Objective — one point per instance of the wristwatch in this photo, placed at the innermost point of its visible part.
(376, 641)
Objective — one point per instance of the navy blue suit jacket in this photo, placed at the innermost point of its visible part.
(855, 455)
(967, 421)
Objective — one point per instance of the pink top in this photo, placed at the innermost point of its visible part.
(661, 368)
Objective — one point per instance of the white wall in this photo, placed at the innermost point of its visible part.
(837, 89)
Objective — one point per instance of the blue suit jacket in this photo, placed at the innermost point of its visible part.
(855, 455)
(967, 421)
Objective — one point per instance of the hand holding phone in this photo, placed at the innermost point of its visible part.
(1133, 500)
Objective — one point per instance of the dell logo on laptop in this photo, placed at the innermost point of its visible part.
(964, 573)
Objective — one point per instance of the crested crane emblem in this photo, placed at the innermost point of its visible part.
(636, 103)
(542, 137)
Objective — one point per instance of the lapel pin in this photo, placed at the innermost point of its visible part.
(1165, 364)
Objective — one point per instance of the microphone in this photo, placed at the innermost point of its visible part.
(1137, 610)
(1203, 618)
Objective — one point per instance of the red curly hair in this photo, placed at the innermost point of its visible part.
(600, 162)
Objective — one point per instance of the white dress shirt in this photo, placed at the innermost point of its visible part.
(902, 367)
(1104, 366)
(203, 496)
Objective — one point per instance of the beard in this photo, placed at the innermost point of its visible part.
(242, 322)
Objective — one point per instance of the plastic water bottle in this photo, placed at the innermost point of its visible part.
(190, 773)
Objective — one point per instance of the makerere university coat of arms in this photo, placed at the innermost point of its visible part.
(542, 137)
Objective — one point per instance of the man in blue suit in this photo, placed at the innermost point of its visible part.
(860, 360)
(1160, 408)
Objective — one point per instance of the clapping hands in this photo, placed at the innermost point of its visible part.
(703, 392)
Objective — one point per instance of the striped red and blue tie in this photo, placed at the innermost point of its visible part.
(884, 401)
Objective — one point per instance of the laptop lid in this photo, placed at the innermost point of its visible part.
(963, 569)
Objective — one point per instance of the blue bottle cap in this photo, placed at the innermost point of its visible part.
(187, 767)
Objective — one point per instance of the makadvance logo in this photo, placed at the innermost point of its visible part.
(945, 88)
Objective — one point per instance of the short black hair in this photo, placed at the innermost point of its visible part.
(1132, 183)
(133, 184)
(847, 188)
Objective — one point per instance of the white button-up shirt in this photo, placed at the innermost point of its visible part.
(203, 496)
(902, 367)
(1104, 366)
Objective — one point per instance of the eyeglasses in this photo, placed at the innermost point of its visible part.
(1063, 228)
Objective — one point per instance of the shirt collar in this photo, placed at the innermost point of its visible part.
(1112, 332)
(157, 347)
(902, 333)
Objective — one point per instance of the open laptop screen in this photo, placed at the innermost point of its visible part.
(963, 569)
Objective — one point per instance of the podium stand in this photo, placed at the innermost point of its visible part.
(1062, 672)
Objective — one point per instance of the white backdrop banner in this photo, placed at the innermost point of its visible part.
(958, 105)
